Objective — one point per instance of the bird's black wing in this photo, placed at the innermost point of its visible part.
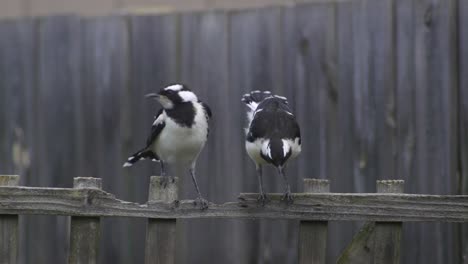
(156, 129)
(273, 118)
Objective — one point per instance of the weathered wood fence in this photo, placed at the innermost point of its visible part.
(86, 203)
(380, 88)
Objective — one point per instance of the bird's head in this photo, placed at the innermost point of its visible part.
(172, 95)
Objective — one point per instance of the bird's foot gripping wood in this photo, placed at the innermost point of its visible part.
(201, 203)
(165, 180)
(263, 199)
(287, 197)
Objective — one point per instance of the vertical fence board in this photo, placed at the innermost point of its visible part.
(17, 115)
(154, 61)
(256, 64)
(436, 124)
(436, 118)
(463, 114)
(58, 95)
(160, 245)
(346, 179)
(9, 227)
(204, 66)
(105, 69)
(84, 231)
(309, 78)
(313, 234)
(388, 234)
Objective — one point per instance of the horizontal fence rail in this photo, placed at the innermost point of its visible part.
(307, 206)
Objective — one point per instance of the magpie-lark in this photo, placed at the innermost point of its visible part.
(272, 135)
(178, 133)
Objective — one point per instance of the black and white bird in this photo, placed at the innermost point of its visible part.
(178, 133)
(272, 135)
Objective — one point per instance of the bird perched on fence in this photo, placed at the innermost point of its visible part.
(272, 135)
(178, 133)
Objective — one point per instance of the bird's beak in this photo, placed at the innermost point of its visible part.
(152, 95)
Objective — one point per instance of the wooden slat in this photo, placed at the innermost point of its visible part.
(18, 155)
(204, 66)
(9, 227)
(161, 233)
(84, 231)
(58, 100)
(313, 234)
(463, 111)
(388, 235)
(256, 64)
(348, 133)
(105, 92)
(333, 206)
(435, 105)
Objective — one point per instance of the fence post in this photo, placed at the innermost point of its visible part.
(84, 231)
(161, 233)
(388, 234)
(313, 234)
(9, 227)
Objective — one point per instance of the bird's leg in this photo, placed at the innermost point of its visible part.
(199, 201)
(262, 198)
(287, 191)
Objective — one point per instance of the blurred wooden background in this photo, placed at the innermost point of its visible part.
(380, 89)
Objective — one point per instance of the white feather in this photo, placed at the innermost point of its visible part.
(174, 87)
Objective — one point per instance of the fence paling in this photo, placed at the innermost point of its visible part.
(84, 231)
(9, 227)
(388, 235)
(383, 237)
(161, 233)
(313, 234)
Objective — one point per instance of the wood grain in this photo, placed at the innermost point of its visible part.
(161, 233)
(84, 231)
(9, 227)
(326, 207)
(313, 234)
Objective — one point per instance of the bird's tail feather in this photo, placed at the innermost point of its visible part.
(141, 155)
(253, 98)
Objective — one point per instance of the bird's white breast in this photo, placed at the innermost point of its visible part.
(179, 144)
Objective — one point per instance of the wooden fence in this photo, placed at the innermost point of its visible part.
(86, 203)
(379, 87)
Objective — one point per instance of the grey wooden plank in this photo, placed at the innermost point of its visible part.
(154, 61)
(313, 234)
(321, 207)
(347, 177)
(204, 67)
(161, 233)
(360, 249)
(256, 64)
(84, 231)
(106, 77)
(388, 235)
(56, 132)
(18, 83)
(463, 112)
(435, 120)
(9, 227)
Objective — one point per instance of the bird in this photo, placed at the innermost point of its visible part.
(272, 136)
(178, 133)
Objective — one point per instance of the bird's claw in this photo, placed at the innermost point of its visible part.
(288, 198)
(201, 203)
(263, 199)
